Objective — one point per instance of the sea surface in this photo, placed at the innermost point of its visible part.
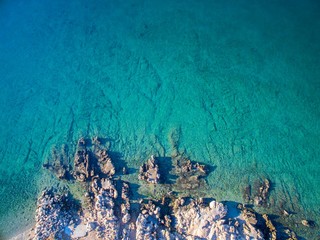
(230, 83)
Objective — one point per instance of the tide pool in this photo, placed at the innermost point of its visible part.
(233, 84)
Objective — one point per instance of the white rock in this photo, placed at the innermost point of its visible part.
(79, 231)
(212, 204)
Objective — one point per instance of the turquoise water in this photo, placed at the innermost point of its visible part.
(234, 84)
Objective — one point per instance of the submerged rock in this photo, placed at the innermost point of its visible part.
(58, 162)
(291, 234)
(247, 194)
(262, 193)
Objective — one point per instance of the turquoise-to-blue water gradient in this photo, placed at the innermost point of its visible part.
(230, 83)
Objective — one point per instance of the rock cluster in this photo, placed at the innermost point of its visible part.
(248, 215)
(189, 174)
(200, 221)
(195, 220)
(90, 160)
(291, 234)
(149, 171)
(104, 162)
(53, 214)
(272, 232)
(109, 215)
(128, 227)
(125, 205)
(148, 222)
(262, 194)
(186, 166)
(105, 219)
(82, 165)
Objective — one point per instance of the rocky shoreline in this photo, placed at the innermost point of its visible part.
(109, 210)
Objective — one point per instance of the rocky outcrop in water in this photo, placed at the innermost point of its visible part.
(189, 174)
(90, 160)
(104, 162)
(105, 214)
(258, 194)
(149, 171)
(262, 194)
(83, 168)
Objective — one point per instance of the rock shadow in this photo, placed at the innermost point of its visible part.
(135, 197)
(97, 141)
(209, 168)
(280, 228)
(134, 192)
(233, 211)
(119, 164)
(166, 170)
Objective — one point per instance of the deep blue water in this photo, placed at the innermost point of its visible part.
(234, 84)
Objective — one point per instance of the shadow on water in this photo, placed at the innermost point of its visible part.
(105, 141)
(120, 164)
(102, 141)
(134, 192)
(209, 168)
(72, 205)
(281, 234)
(135, 196)
(233, 211)
(166, 168)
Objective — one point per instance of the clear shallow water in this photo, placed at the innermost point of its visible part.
(234, 84)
